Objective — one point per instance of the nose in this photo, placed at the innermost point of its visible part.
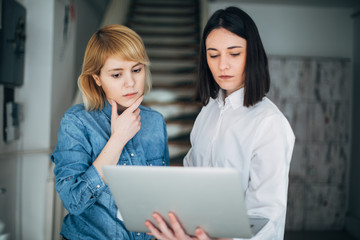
(224, 63)
(129, 81)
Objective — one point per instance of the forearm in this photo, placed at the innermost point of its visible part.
(78, 191)
(80, 186)
(110, 154)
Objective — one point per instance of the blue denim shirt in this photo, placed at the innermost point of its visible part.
(81, 137)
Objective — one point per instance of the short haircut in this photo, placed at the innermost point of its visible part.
(257, 77)
(111, 40)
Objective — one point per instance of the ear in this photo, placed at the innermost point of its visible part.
(97, 79)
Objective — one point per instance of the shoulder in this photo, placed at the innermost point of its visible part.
(77, 114)
(76, 109)
(266, 113)
(266, 108)
(80, 111)
(270, 117)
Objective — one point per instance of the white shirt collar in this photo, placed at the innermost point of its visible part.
(235, 100)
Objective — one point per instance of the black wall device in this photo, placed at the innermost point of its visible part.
(12, 59)
(12, 43)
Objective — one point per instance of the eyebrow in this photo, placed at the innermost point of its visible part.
(137, 65)
(232, 47)
(118, 69)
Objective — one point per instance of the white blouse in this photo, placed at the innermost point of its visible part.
(258, 141)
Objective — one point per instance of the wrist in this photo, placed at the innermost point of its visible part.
(118, 139)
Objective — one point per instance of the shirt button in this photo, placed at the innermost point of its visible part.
(163, 162)
(138, 234)
(98, 186)
(124, 163)
(150, 164)
(132, 154)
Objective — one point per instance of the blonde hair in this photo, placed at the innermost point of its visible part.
(109, 41)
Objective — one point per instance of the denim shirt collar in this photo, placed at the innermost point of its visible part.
(107, 108)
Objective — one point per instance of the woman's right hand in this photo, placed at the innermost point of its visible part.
(123, 128)
(127, 124)
(175, 231)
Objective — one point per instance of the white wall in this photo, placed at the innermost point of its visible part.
(25, 195)
(64, 69)
(301, 30)
(35, 96)
(47, 90)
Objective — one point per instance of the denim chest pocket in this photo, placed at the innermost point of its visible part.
(155, 162)
(149, 162)
(123, 162)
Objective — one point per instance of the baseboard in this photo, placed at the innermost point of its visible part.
(352, 226)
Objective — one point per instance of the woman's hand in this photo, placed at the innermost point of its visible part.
(127, 124)
(173, 232)
(123, 128)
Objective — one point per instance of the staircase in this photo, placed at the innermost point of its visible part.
(170, 30)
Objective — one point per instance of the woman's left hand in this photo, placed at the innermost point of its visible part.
(175, 231)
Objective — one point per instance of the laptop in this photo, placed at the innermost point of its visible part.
(211, 198)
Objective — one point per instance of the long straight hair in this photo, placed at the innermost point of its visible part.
(257, 77)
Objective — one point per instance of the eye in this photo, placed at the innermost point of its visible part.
(213, 56)
(137, 70)
(235, 54)
(116, 75)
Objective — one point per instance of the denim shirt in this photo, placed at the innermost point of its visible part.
(81, 137)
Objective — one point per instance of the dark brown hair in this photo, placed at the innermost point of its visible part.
(257, 77)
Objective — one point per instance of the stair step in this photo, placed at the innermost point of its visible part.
(165, 30)
(174, 72)
(162, 19)
(172, 45)
(165, 2)
(170, 40)
(166, 80)
(173, 65)
(171, 14)
(176, 56)
(173, 10)
(178, 131)
(176, 110)
(167, 95)
(135, 24)
(173, 35)
(177, 161)
(178, 148)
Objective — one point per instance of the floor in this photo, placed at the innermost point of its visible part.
(318, 235)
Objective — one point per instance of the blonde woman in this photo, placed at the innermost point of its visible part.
(109, 128)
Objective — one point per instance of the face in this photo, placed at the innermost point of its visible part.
(123, 81)
(226, 57)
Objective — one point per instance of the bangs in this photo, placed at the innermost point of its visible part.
(129, 49)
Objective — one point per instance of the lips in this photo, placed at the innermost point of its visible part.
(129, 95)
(225, 77)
